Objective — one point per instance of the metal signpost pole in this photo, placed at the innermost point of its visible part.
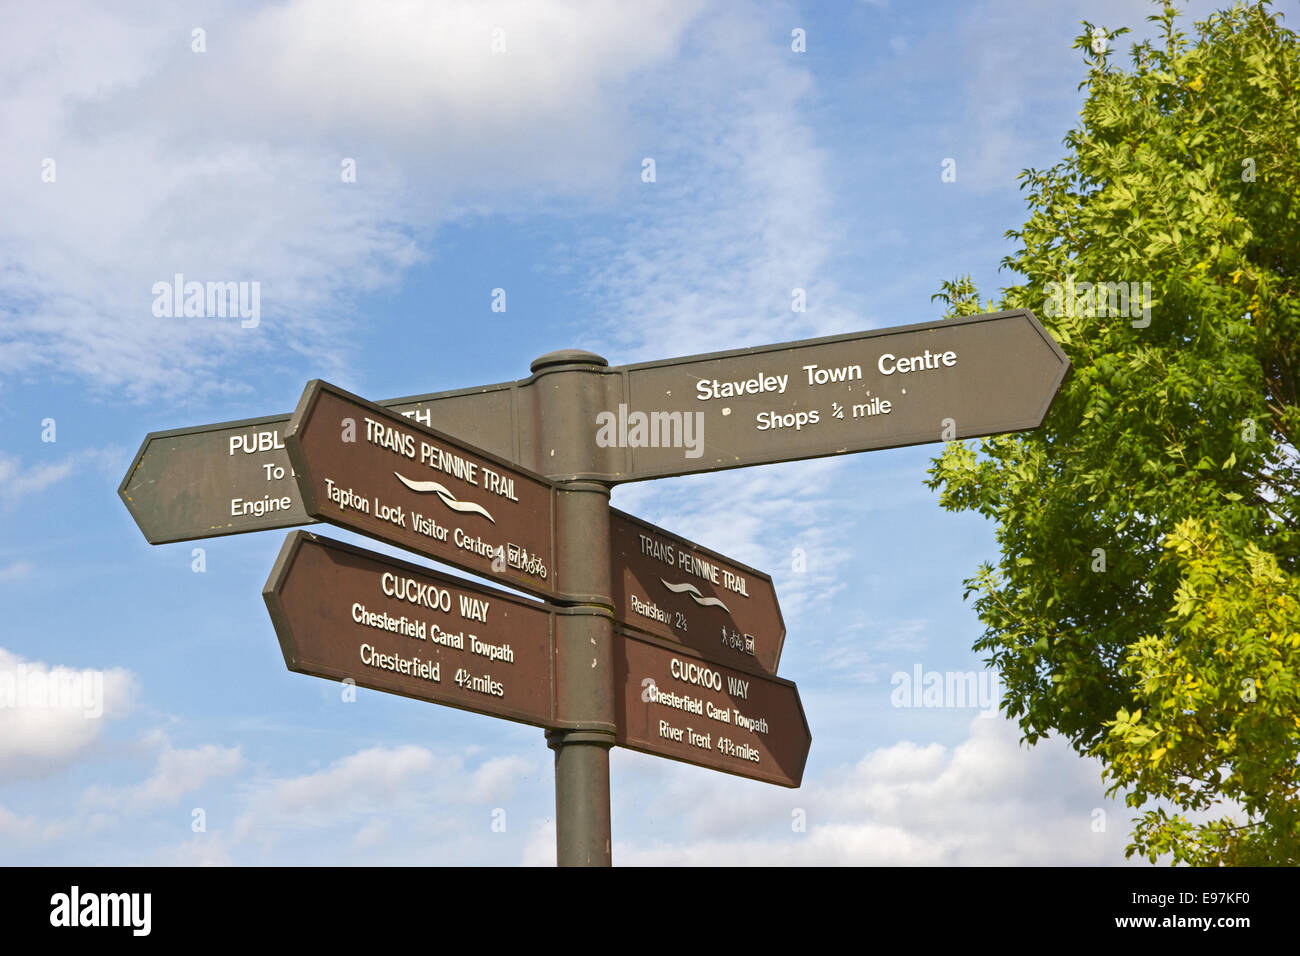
(570, 396)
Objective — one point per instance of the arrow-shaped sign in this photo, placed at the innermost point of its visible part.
(672, 588)
(366, 468)
(344, 613)
(674, 705)
(235, 477)
(937, 381)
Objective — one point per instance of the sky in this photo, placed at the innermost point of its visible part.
(214, 140)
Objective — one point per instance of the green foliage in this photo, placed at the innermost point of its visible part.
(1171, 447)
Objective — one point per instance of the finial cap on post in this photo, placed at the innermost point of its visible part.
(568, 357)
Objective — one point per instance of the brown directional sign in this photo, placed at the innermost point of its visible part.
(676, 705)
(675, 589)
(344, 613)
(952, 379)
(235, 477)
(370, 470)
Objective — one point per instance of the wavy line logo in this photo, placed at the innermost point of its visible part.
(448, 499)
(696, 596)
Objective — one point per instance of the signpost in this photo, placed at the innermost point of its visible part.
(344, 613)
(647, 640)
(684, 707)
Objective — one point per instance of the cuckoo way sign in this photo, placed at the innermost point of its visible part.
(344, 613)
(367, 469)
(676, 705)
(341, 612)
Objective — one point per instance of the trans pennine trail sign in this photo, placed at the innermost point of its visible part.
(367, 469)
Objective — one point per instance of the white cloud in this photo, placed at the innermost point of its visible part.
(739, 214)
(15, 570)
(495, 779)
(373, 833)
(376, 783)
(28, 829)
(176, 773)
(181, 771)
(19, 481)
(225, 165)
(540, 849)
(349, 785)
(424, 78)
(50, 715)
(987, 801)
(205, 849)
(394, 805)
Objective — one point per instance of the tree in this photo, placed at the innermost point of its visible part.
(1146, 604)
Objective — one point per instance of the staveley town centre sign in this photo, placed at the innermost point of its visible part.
(633, 636)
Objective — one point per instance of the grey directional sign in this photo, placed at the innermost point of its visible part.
(937, 381)
(234, 477)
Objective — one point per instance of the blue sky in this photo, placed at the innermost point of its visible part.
(518, 170)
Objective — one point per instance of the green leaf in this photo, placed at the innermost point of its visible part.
(1146, 454)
